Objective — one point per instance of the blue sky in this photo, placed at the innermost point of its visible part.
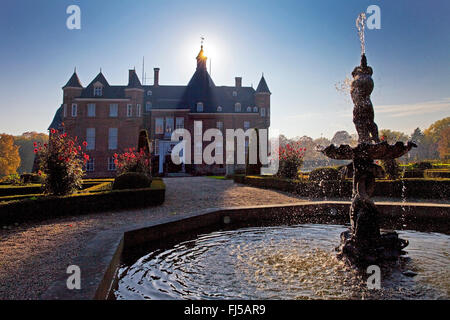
(304, 49)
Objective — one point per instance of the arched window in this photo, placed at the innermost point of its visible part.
(149, 92)
(199, 106)
(237, 107)
(255, 109)
(219, 109)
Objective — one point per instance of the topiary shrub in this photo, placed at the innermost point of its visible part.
(132, 180)
(327, 173)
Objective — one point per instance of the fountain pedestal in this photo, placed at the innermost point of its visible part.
(364, 243)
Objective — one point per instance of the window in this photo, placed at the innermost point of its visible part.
(156, 146)
(90, 165)
(74, 110)
(249, 109)
(129, 110)
(169, 124)
(148, 106)
(179, 123)
(219, 125)
(159, 125)
(91, 110)
(113, 110)
(98, 91)
(199, 106)
(263, 112)
(219, 109)
(138, 110)
(65, 110)
(237, 107)
(255, 109)
(90, 138)
(112, 138)
(149, 92)
(234, 93)
(111, 164)
(246, 125)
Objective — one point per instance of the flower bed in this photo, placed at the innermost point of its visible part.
(42, 208)
(408, 188)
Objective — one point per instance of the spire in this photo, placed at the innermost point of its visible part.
(133, 80)
(74, 81)
(262, 86)
(201, 58)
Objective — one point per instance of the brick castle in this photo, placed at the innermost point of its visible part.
(109, 117)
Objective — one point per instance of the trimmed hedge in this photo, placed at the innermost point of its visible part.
(408, 188)
(131, 180)
(437, 173)
(327, 173)
(11, 190)
(413, 174)
(82, 203)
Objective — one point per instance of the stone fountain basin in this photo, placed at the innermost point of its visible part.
(103, 255)
(135, 243)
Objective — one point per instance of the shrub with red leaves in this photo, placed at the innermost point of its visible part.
(291, 160)
(133, 161)
(62, 162)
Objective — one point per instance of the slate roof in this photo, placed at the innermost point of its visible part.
(74, 81)
(262, 86)
(57, 120)
(200, 88)
(133, 80)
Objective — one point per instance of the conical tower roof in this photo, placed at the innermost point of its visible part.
(262, 86)
(74, 81)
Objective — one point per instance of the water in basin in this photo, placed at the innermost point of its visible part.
(282, 262)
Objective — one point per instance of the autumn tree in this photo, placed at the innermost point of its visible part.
(444, 144)
(434, 134)
(391, 136)
(9, 155)
(26, 146)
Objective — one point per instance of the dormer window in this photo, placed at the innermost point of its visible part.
(255, 109)
(235, 93)
(237, 107)
(219, 109)
(98, 91)
(149, 92)
(249, 109)
(199, 106)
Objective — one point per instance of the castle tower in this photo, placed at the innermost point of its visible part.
(262, 100)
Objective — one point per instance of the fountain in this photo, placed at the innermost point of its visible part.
(287, 251)
(363, 243)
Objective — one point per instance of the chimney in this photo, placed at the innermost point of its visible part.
(156, 77)
(238, 82)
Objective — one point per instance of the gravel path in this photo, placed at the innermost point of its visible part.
(31, 256)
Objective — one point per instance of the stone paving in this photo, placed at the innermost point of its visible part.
(33, 256)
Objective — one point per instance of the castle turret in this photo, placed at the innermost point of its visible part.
(262, 100)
